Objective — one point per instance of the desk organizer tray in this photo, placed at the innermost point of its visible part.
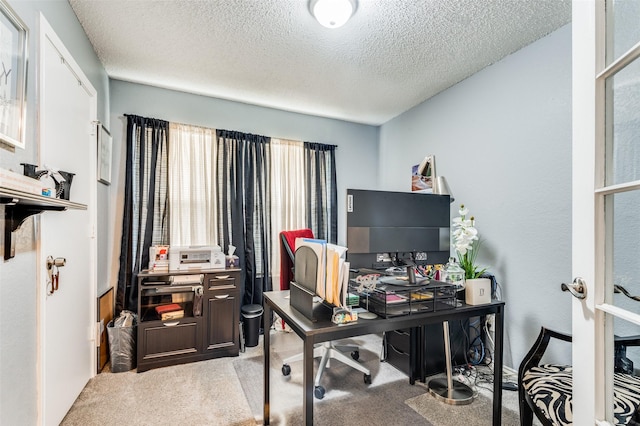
(389, 301)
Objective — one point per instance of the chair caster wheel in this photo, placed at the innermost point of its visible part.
(286, 370)
(367, 379)
(355, 355)
(318, 391)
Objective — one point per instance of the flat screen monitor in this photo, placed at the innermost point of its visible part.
(385, 226)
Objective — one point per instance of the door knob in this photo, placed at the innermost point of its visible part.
(578, 288)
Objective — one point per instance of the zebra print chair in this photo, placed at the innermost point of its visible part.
(545, 389)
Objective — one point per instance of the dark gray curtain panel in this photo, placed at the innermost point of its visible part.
(245, 203)
(145, 220)
(322, 192)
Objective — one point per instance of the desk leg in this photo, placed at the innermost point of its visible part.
(414, 356)
(497, 370)
(308, 381)
(266, 318)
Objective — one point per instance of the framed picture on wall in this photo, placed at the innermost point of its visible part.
(13, 72)
(104, 155)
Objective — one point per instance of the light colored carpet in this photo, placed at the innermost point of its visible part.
(200, 393)
(478, 413)
(347, 401)
(228, 392)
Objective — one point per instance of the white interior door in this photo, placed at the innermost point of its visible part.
(67, 105)
(606, 196)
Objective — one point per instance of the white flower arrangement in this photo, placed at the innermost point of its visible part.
(466, 243)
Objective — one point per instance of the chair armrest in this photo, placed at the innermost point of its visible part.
(627, 341)
(533, 357)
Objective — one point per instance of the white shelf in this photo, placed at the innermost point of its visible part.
(19, 205)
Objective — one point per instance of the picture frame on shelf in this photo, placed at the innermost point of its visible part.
(420, 183)
(104, 155)
(13, 73)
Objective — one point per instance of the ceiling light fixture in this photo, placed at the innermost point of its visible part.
(332, 13)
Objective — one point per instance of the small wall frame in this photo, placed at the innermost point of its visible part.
(104, 155)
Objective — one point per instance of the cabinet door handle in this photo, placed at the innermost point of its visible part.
(171, 324)
(222, 296)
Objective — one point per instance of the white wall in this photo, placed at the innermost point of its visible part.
(502, 138)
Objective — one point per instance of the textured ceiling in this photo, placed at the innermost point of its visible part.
(392, 55)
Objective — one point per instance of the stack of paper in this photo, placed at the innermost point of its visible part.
(333, 270)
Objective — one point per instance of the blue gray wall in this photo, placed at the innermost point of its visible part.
(502, 138)
(357, 143)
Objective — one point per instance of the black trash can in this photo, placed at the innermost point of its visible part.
(251, 318)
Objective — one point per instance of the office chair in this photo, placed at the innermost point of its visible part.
(327, 350)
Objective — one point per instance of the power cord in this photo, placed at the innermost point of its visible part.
(476, 346)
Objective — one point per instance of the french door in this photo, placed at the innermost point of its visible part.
(606, 199)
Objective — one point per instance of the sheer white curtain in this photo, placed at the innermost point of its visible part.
(192, 185)
(193, 195)
(288, 208)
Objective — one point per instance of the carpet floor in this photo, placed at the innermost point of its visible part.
(228, 392)
(348, 400)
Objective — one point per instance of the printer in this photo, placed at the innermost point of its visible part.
(196, 257)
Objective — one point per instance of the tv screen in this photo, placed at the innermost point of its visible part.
(385, 227)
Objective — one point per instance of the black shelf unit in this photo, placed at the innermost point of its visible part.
(19, 205)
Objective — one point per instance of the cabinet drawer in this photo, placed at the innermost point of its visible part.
(400, 339)
(222, 280)
(399, 359)
(165, 339)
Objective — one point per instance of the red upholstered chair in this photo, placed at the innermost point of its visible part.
(327, 350)
(287, 254)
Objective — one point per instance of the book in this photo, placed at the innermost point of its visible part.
(172, 315)
(168, 308)
(170, 311)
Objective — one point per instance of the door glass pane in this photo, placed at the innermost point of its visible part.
(623, 31)
(626, 367)
(623, 125)
(624, 248)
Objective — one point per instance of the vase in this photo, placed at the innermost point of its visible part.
(477, 291)
(454, 274)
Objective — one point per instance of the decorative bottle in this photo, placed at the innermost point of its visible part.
(454, 274)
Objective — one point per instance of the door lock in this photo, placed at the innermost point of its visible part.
(578, 288)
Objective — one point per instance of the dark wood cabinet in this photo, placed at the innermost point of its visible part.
(206, 327)
(223, 302)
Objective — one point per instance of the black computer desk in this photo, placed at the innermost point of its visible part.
(323, 331)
